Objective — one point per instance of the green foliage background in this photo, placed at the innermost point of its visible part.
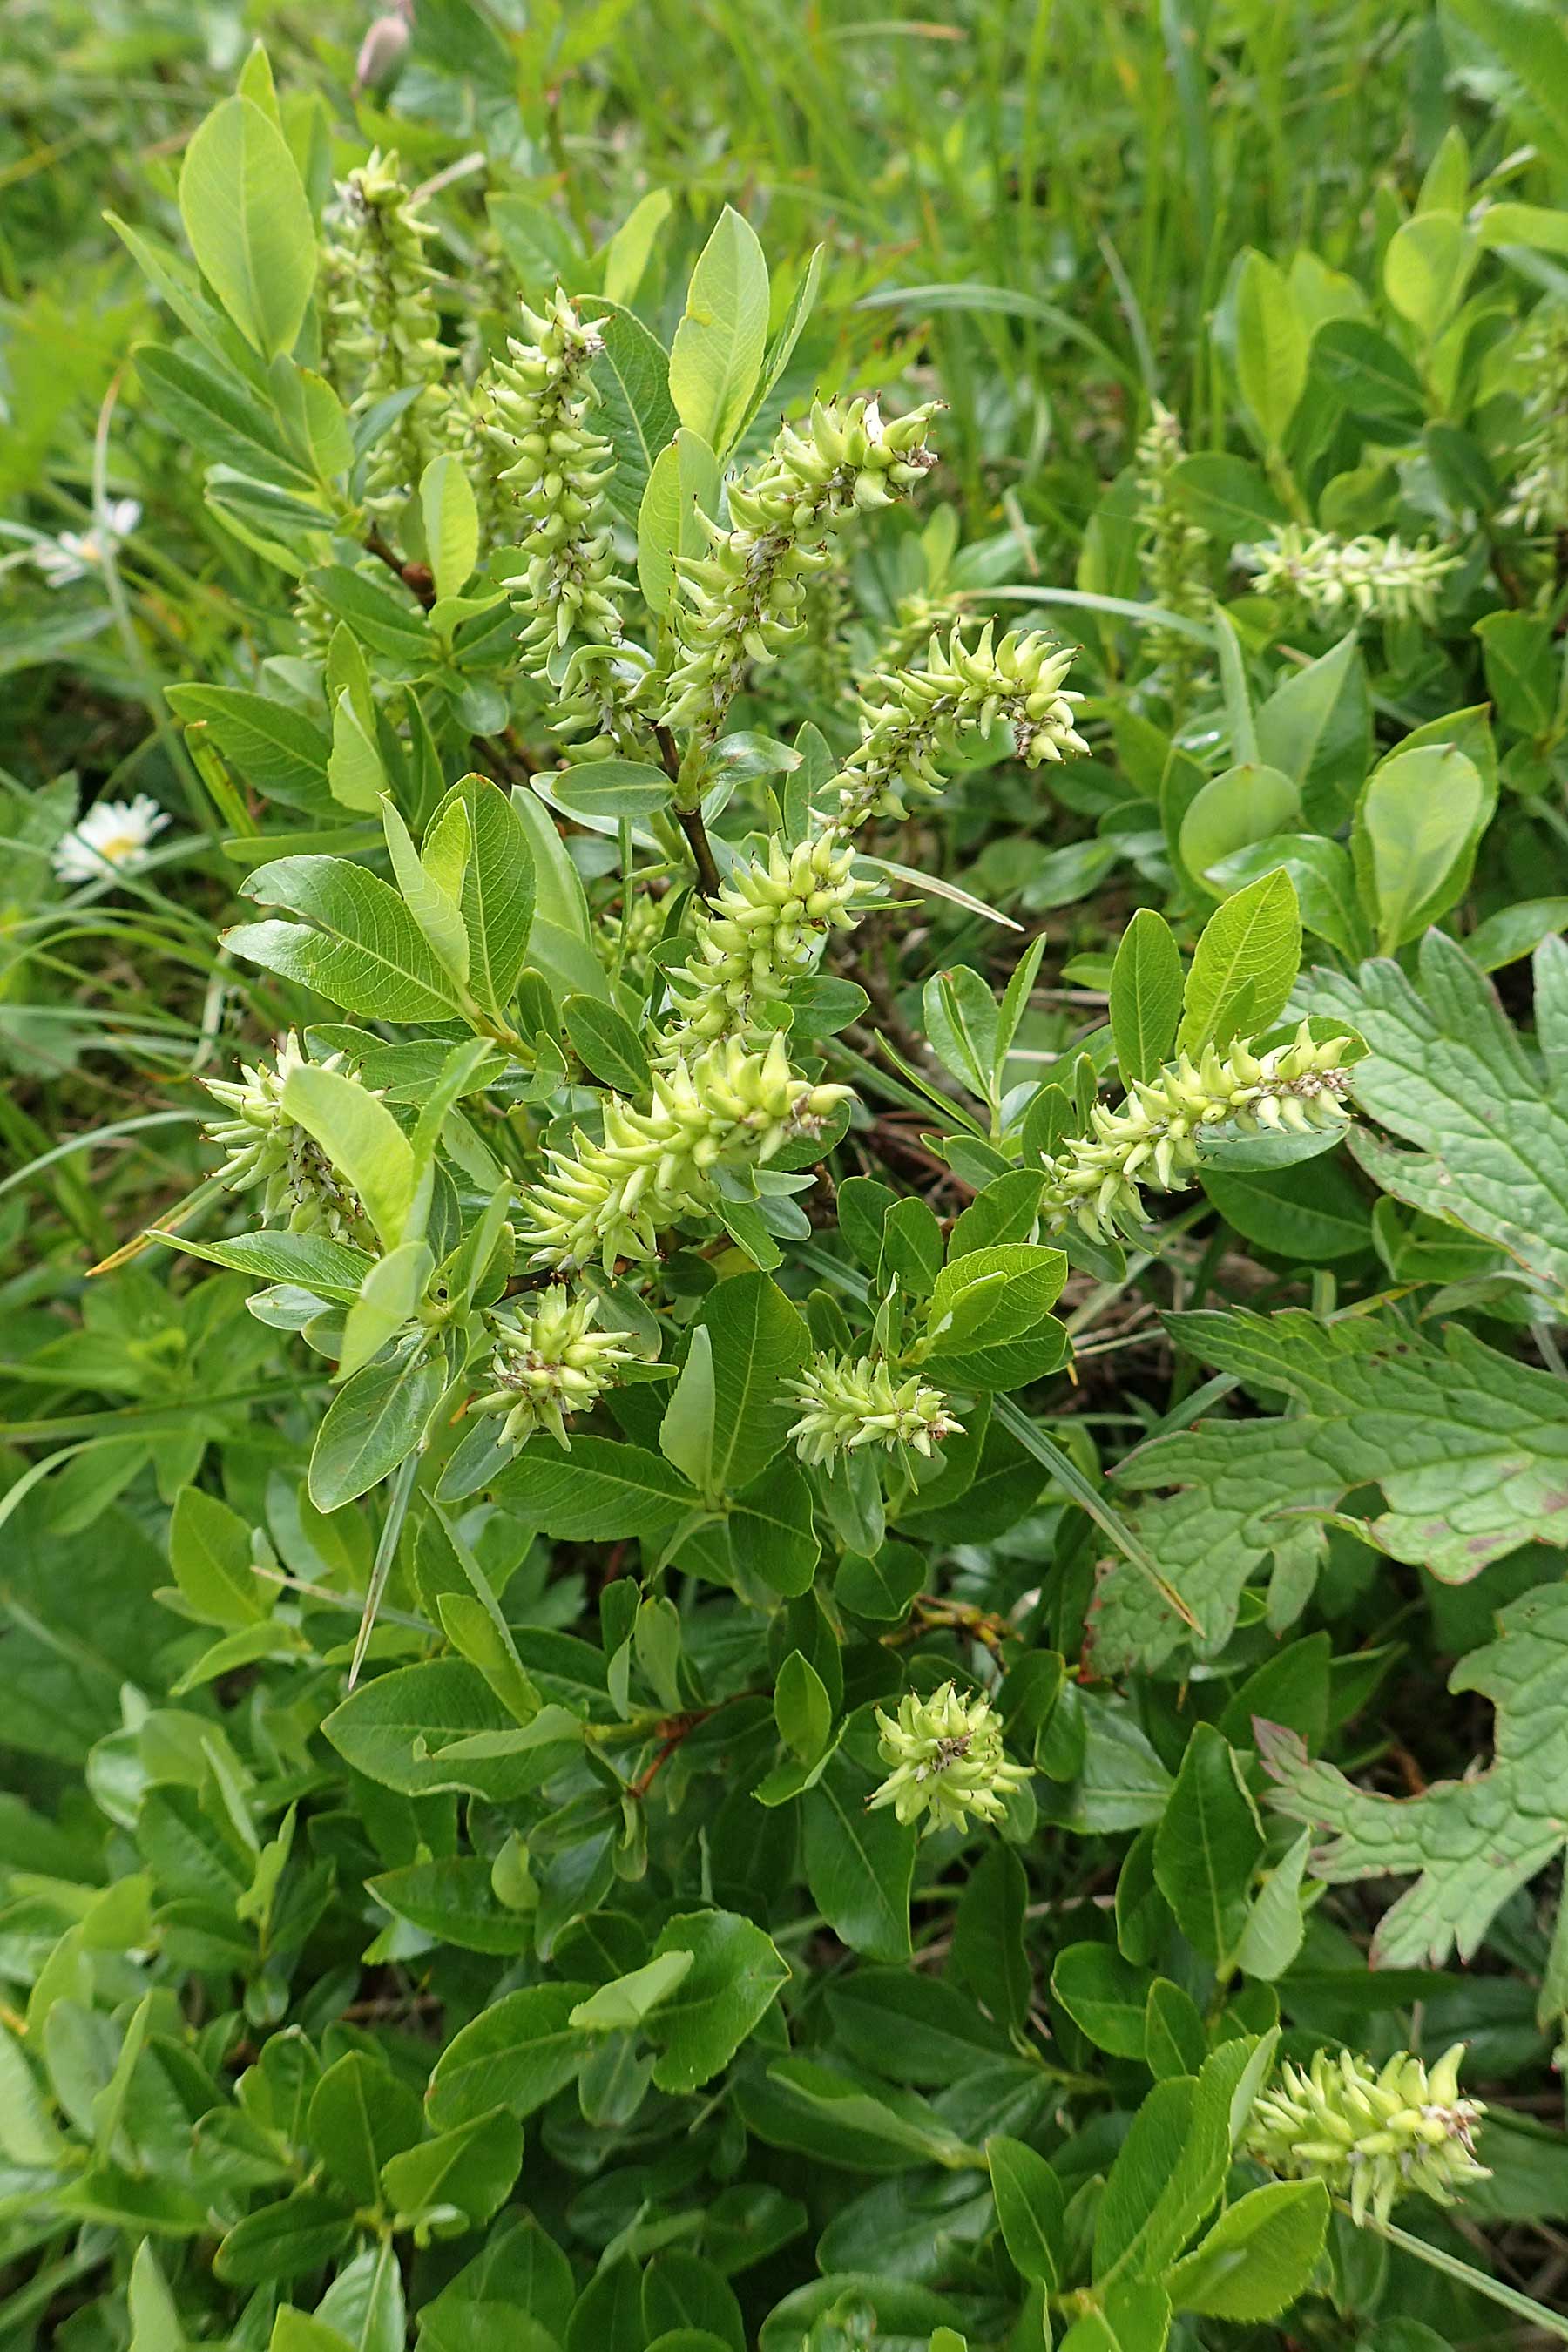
(548, 1983)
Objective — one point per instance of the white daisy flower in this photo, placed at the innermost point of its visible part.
(76, 553)
(113, 836)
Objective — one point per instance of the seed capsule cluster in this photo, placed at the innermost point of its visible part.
(947, 1760)
(766, 926)
(1152, 1138)
(727, 1108)
(1176, 550)
(912, 717)
(539, 401)
(550, 1364)
(299, 1187)
(1380, 579)
(917, 621)
(387, 326)
(742, 601)
(1538, 501)
(1371, 2136)
(850, 1403)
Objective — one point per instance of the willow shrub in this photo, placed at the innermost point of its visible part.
(713, 1898)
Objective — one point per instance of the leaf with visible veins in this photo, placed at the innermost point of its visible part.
(1469, 1449)
(1472, 1842)
(1450, 1073)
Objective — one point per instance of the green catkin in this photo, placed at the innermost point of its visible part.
(541, 400)
(1375, 579)
(549, 1364)
(1539, 500)
(605, 707)
(385, 328)
(947, 1761)
(1175, 549)
(913, 717)
(613, 1198)
(765, 928)
(1151, 1139)
(466, 434)
(918, 621)
(299, 1187)
(827, 670)
(851, 1402)
(770, 921)
(742, 601)
(622, 941)
(1370, 2137)
(313, 621)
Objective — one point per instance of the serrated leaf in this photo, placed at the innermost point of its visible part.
(802, 1708)
(471, 2168)
(1270, 347)
(354, 770)
(758, 1339)
(1105, 1996)
(1172, 2166)
(154, 2314)
(1472, 1842)
(1135, 2318)
(772, 1529)
(284, 2241)
(1469, 1448)
(635, 413)
(1416, 826)
(496, 894)
(374, 1423)
(1448, 1073)
(561, 943)
(683, 487)
(1317, 727)
(454, 1899)
(1247, 804)
(360, 2115)
(1276, 1923)
(276, 749)
(419, 1730)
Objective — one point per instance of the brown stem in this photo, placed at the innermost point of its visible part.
(689, 819)
(668, 751)
(510, 757)
(525, 759)
(678, 1727)
(672, 1731)
(928, 1614)
(701, 848)
(416, 577)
